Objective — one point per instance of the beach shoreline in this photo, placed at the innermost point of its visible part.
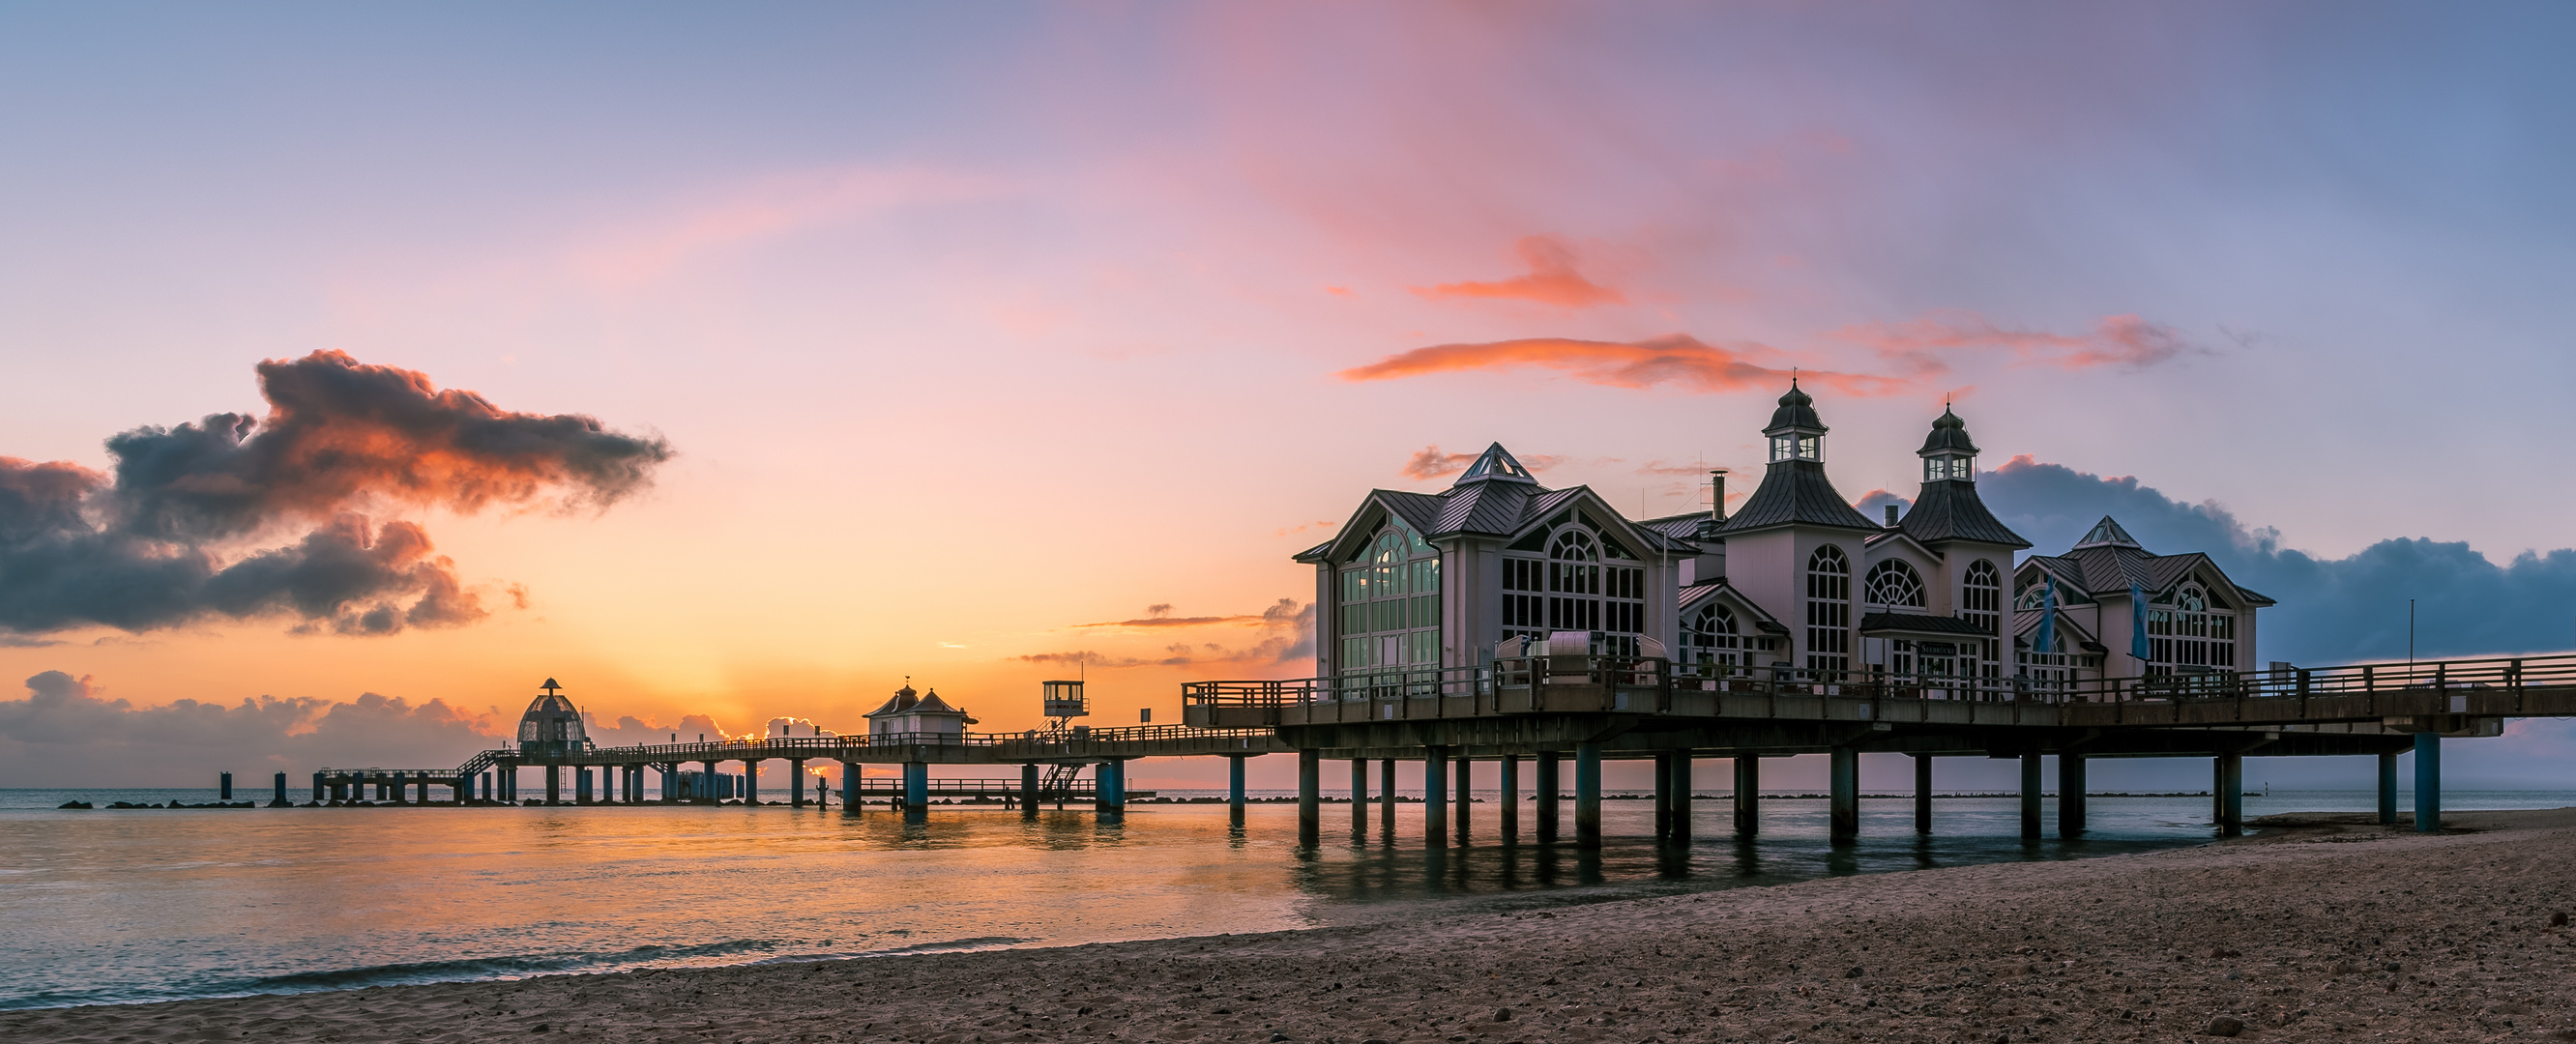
(2324, 927)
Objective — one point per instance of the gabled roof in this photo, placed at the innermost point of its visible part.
(1887, 535)
(1951, 510)
(1492, 506)
(1792, 493)
(2069, 632)
(905, 702)
(1705, 590)
(1916, 623)
(2105, 570)
(2107, 533)
(1696, 526)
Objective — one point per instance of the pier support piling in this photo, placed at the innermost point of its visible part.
(1435, 798)
(1510, 805)
(280, 798)
(1681, 832)
(1466, 793)
(1663, 795)
(795, 782)
(1359, 795)
(2388, 789)
(1112, 797)
(2070, 795)
(1923, 794)
(1029, 791)
(750, 782)
(2231, 794)
(1233, 787)
(1748, 796)
(581, 794)
(1844, 767)
(916, 789)
(2428, 783)
(224, 787)
(852, 803)
(1386, 796)
(1551, 787)
(1587, 795)
(2031, 776)
(1310, 799)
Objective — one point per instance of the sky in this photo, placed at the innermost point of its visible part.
(367, 366)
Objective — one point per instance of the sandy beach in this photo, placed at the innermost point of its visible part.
(2322, 928)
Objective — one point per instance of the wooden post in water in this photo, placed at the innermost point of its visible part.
(1923, 794)
(1550, 786)
(1510, 806)
(1844, 768)
(1310, 809)
(1748, 796)
(1587, 795)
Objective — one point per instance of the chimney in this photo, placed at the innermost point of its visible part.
(1891, 516)
(1717, 495)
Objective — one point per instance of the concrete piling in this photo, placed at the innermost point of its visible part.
(1681, 832)
(1923, 794)
(1386, 796)
(1029, 791)
(1310, 799)
(2231, 794)
(1587, 795)
(279, 800)
(1112, 796)
(1663, 795)
(224, 787)
(554, 786)
(1843, 766)
(2031, 785)
(2428, 783)
(1510, 806)
(1435, 798)
(1551, 785)
(1359, 795)
(1466, 793)
(2388, 788)
(750, 781)
(916, 789)
(795, 782)
(1234, 800)
(1748, 796)
(2070, 795)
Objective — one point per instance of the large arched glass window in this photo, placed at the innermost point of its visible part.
(1828, 610)
(2195, 634)
(1981, 599)
(1710, 638)
(1390, 604)
(1895, 585)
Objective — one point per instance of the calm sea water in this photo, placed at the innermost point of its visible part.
(116, 906)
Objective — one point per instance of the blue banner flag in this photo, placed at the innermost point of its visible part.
(2046, 640)
(2138, 646)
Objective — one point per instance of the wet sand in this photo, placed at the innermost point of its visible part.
(2323, 928)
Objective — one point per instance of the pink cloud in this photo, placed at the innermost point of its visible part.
(1677, 359)
(1552, 279)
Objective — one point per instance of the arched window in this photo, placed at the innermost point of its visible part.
(1828, 610)
(1390, 604)
(1894, 584)
(2196, 635)
(1573, 581)
(1710, 637)
(1981, 599)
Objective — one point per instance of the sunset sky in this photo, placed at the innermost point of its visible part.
(954, 341)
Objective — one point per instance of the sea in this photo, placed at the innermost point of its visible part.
(119, 906)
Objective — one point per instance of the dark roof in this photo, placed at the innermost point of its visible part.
(1795, 492)
(2107, 533)
(904, 702)
(1695, 526)
(1951, 510)
(1701, 591)
(1498, 464)
(1797, 410)
(2104, 570)
(1948, 433)
(2069, 632)
(1489, 507)
(1913, 624)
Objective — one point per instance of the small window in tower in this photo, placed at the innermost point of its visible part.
(1784, 447)
(1810, 447)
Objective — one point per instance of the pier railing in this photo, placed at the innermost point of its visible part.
(1037, 744)
(1506, 685)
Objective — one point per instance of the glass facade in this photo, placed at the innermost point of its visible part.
(1389, 612)
(1828, 610)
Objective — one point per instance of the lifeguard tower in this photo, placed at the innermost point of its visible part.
(1065, 702)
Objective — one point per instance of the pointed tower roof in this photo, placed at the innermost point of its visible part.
(1797, 410)
(1949, 508)
(2107, 533)
(1495, 464)
(1949, 433)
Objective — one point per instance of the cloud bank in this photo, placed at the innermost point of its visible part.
(67, 733)
(1678, 360)
(169, 536)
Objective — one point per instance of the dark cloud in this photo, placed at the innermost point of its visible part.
(170, 535)
(2332, 609)
(66, 732)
